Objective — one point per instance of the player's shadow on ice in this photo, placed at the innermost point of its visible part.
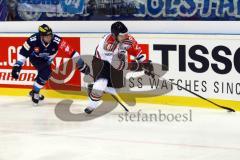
(62, 111)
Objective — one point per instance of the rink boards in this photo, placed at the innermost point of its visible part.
(205, 64)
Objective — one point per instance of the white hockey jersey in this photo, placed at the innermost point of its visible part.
(108, 47)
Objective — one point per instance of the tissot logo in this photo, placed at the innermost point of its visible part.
(223, 59)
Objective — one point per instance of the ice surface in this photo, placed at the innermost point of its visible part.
(35, 133)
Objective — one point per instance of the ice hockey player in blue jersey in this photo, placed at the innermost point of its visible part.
(41, 48)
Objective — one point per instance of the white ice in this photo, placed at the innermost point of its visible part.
(35, 133)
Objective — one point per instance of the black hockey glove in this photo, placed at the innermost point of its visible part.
(134, 66)
(16, 70)
(84, 69)
(148, 68)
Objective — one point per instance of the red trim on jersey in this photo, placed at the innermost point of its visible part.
(110, 43)
(97, 53)
(109, 39)
(94, 97)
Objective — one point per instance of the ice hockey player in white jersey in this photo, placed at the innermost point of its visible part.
(109, 61)
(41, 48)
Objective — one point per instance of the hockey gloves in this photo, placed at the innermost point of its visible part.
(16, 70)
(134, 66)
(148, 68)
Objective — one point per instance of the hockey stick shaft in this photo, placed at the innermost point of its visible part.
(125, 108)
(220, 106)
(114, 97)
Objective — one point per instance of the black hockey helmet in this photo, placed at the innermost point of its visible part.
(45, 30)
(118, 28)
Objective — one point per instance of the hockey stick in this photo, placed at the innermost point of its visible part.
(114, 97)
(220, 106)
(125, 108)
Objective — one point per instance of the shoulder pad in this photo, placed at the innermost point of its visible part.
(33, 38)
(109, 39)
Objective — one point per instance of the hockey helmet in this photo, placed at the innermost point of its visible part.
(118, 28)
(45, 30)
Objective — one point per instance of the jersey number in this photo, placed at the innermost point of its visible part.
(57, 40)
(33, 38)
